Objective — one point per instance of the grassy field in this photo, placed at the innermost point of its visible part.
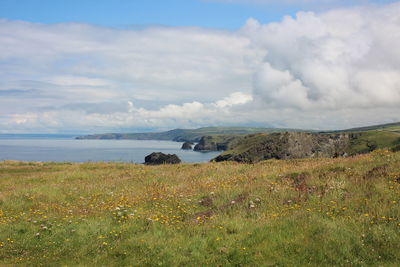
(311, 212)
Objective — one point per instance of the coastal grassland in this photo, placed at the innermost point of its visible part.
(309, 212)
(372, 140)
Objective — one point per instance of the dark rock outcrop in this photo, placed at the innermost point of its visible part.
(255, 148)
(157, 158)
(218, 142)
(187, 146)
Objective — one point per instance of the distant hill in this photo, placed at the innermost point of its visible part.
(391, 127)
(252, 142)
(187, 135)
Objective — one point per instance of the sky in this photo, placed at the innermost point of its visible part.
(126, 66)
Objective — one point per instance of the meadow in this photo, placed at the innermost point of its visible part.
(307, 212)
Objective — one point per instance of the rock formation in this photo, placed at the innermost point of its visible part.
(187, 146)
(218, 142)
(258, 147)
(157, 158)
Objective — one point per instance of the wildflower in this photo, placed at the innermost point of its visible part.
(251, 205)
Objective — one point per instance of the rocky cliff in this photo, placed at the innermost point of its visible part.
(290, 145)
(218, 142)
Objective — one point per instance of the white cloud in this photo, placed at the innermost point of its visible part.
(237, 98)
(331, 70)
(340, 59)
(150, 63)
(187, 114)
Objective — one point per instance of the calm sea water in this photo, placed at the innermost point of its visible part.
(60, 148)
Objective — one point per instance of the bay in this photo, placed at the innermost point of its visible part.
(64, 148)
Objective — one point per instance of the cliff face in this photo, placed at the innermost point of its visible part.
(255, 148)
(218, 142)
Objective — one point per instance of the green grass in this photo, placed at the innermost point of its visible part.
(309, 212)
(369, 141)
(394, 127)
(249, 142)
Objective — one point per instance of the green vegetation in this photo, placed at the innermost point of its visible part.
(218, 142)
(185, 135)
(371, 140)
(194, 135)
(251, 141)
(257, 147)
(308, 212)
(392, 127)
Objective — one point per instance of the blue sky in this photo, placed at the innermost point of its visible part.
(93, 66)
(228, 14)
(125, 12)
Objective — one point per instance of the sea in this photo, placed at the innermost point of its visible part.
(65, 148)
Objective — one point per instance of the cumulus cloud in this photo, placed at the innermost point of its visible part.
(340, 59)
(335, 69)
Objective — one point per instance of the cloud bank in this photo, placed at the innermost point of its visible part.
(331, 70)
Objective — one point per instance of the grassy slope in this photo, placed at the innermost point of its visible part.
(246, 144)
(313, 212)
(394, 127)
(374, 139)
